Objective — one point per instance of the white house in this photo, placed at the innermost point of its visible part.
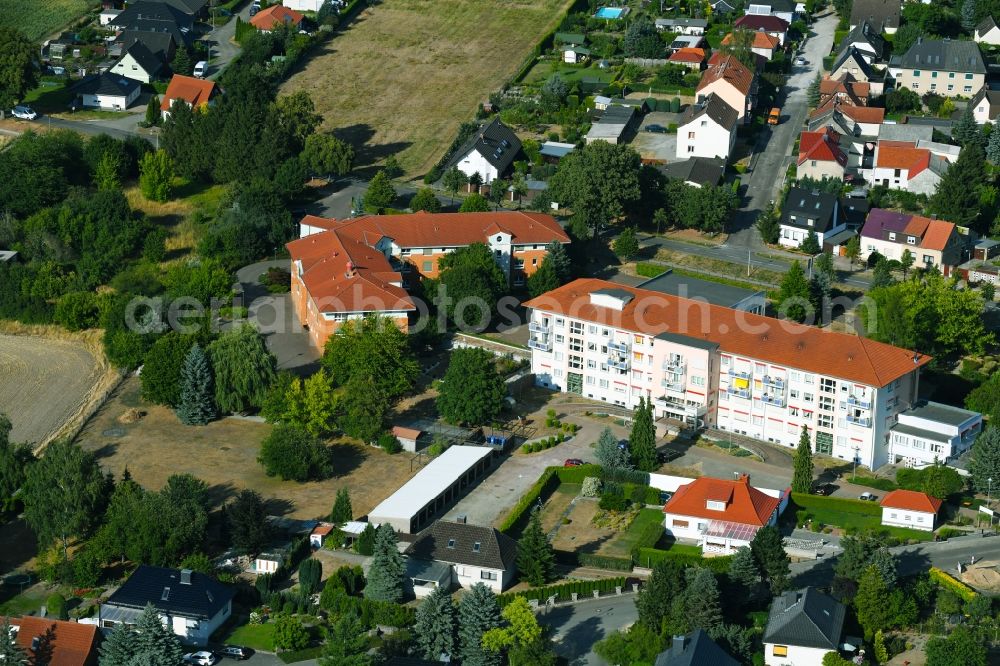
(903, 165)
(909, 508)
(682, 26)
(303, 5)
(809, 210)
(987, 32)
(802, 627)
(108, 15)
(138, 63)
(722, 516)
(489, 152)
(107, 91)
(986, 105)
(708, 129)
(191, 604)
(475, 554)
(931, 431)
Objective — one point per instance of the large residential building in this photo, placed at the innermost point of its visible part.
(943, 66)
(732, 81)
(931, 242)
(930, 432)
(708, 129)
(343, 270)
(703, 364)
(802, 627)
(722, 516)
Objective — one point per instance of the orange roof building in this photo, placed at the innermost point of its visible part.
(721, 515)
(906, 166)
(845, 90)
(931, 242)
(909, 508)
(196, 93)
(732, 81)
(706, 365)
(762, 43)
(690, 57)
(821, 155)
(62, 643)
(348, 269)
(267, 19)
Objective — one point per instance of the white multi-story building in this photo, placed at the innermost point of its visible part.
(930, 433)
(704, 364)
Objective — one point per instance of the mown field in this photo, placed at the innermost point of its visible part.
(38, 20)
(406, 73)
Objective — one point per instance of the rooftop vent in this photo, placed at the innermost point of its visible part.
(185, 576)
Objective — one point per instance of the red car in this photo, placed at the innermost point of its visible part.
(572, 462)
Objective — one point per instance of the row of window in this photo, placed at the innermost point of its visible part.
(407, 251)
(951, 75)
(966, 89)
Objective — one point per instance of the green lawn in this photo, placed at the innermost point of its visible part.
(255, 636)
(38, 20)
(569, 73)
(622, 545)
(850, 514)
(49, 97)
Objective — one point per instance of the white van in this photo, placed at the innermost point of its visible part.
(200, 69)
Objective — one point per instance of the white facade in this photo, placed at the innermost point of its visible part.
(991, 36)
(764, 9)
(476, 162)
(130, 69)
(918, 441)
(190, 630)
(793, 236)
(793, 655)
(465, 576)
(915, 520)
(110, 102)
(704, 137)
(303, 5)
(108, 15)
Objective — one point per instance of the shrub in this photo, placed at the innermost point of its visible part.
(675, 105)
(591, 487)
(612, 502)
(291, 453)
(949, 583)
(55, 606)
(946, 533)
(388, 443)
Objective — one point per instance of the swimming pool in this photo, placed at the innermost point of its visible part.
(611, 12)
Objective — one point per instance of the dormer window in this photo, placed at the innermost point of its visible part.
(911, 240)
(715, 505)
(892, 235)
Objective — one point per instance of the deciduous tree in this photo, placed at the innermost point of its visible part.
(156, 174)
(289, 633)
(14, 462)
(18, 74)
(535, 557)
(473, 390)
(328, 155)
(379, 194)
(474, 203)
(197, 404)
(385, 575)
(626, 245)
(243, 368)
(435, 625)
(161, 368)
(375, 352)
(959, 648)
(293, 453)
(803, 464)
(598, 182)
(520, 628)
(453, 180)
(544, 279)
(425, 200)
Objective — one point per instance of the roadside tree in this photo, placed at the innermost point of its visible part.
(380, 194)
(803, 464)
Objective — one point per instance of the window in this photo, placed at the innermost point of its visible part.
(968, 77)
(892, 234)
(559, 356)
(451, 543)
(560, 322)
(704, 123)
(679, 523)
(933, 86)
(691, 135)
(933, 75)
(603, 383)
(916, 86)
(916, 72)
(813, 163)
(690, 149)
(428, 250)
(488, 575)
(697, 381)
(558, 373)
(428, 265)
(967, 89)
(590, 380)
(951, 75)
(911, 240)
(476, 547)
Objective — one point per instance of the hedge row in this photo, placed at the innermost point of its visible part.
(293, 656)
(575, 559)
(880, 484)
(650, 557)
(564, 591)
(958, 587)
(820, 503)
(546, 484)
(577, 474)
(648, 537)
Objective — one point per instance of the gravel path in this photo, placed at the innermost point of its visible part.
(42, 383)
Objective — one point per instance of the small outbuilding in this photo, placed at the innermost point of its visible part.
(909, 508)
(407, 437)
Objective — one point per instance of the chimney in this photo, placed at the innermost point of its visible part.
(679, 643)
(461, 519)
(185, 576)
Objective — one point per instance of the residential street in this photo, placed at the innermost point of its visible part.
(577, 627)
(222, 48)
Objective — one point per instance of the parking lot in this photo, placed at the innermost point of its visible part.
(657, 145)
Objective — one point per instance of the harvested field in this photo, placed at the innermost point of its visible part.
(403, 76)
(46, 383)
(224, 455)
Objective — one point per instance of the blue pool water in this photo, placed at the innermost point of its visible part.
(609, 12)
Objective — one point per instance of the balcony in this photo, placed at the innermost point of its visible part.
(541, 344)
(676, 387)
(739, 374)
(618, 363)
(676, 365)
(859, 402)
(776, 382)
(668, 403)
(863, 421)
(776, 400)
(739, 393)
(539, 327)
(619, 347)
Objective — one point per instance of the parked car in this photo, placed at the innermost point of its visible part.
(202, 658)
(665, 496)
(572, 462)
(658, 129)
(867, 496)
(23, 112)
(253, 10)
(235, 652)
(774, 117)
(824, 489)
(800, 60)
(200, 69)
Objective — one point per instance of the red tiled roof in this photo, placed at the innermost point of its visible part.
(761, 40)
(687, 54)
(902, 155)
(727, 68)
(822, 146)
(911, 500)
(71, 643)
(859, 114)
(760, 22)
(274, 15)
(938, 234)
(406, 433)
(196, 92)
(744, 503)
(322, 529)
(857, 91)
(778, 341)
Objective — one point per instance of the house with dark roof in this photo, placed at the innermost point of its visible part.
(852, 62)
(802, 627)
(694, 649)
(616, 123)
(160, 44)
(783, 9)
(191, 604)
(108, 91)
(490, 152)
(696, 171)
(944, 66)
(49, 642)
(883, 15)
(682, 26)
(867, 40)
(474, 554)
(987, 32)
(156, 17)
(930, 242)
(708, 129)
(139, 63)
(821, 155)
(722, 7)
(986, 105)
(769, 25)
(807, 211)
(193, 8)
(721, 515)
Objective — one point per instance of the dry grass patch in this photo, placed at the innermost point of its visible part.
(404, 75)
(178, 214)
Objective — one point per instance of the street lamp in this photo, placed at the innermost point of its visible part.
(989, 490)
(857, 450)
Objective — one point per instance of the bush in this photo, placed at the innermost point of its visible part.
(55, 606)
(946, 533)
(612, 502)
(388, 443)
(545, 485)
(604, 562)
(881, 484)
(564, 591)
(649, 270)
(649, 557)
(675, 105)
(591, 487)
(949, 583)
(291, 453)
(77, 310)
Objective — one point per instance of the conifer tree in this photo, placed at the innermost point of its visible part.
(642, 439)
(544, 279)
(116, 649)
(197, 406)
(810, 245)
(435, 625)
(881, 275)
(968, 14)
(769, 224)
(702, 607)
(803, 464)
(153, 111)
(812, 93)
(743, 570)
(561, 261)
(535, 557)
(346, 643)
(993, 147)
(153, 642)
(794, 293)
(385, 576)
(365, 545)
(769, 552)
(478, 612)
(609, 453)
(342, 510)
(957, 196)
(11, 653)
(966, 131)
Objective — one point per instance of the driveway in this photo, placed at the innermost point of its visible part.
(221, 47)
(655, 145)
(577, 627)
(339, 203)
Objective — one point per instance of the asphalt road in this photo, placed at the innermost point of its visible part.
(577, 627)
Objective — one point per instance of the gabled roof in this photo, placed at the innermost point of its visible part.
(933, 234)
(688, 54)
(190, 7)
(421, 229)
(496, 142)
(106, 83)
(63, 643)
(881, 14)
(855, 92)
(682, 22)
(570, 38)
(868, 34)
(202, 598)
(148, 16)
(715, 108)
(196, 92)
(992, 98)
(806, 618)
(822, 146)
(761, 40)
(803, 205)
(158, 43)
(763, 22)
(143, 57)
(942, 55)
(776, 5)
(851, 53)
(727, 68)
(743, 503)
(986, 25)
(902, 155)
(816, 350)
(267, 19)
(696, 649)
(701, 170)
(462, 543)
(870, 115)
(911, 500)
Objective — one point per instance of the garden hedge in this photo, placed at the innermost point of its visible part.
(945, 580)
(546, 484)
(649, 557)
(563, 591)
(293, 656)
